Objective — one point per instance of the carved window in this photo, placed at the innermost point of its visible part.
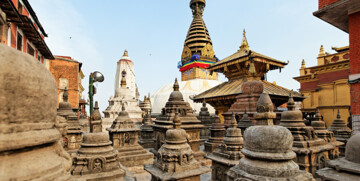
(30, 50)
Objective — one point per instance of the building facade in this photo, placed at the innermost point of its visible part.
(21, 29)
(326, 86)
(345, 15)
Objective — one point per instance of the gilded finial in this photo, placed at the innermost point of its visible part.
(303, 64)
(125, 53)
(322, 51)
(244, 44)
(176, 85)
(123, 80)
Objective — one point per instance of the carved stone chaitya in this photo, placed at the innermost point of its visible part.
(267, 150)
(124, 136)
(97, 159)
(228, 153)
(341, 132)
(73, 137)
(175, 160)
(246, 101)
(147, 133)
(30, 145)
(145, 105)
(217, 133)
(189, 123)
(245, 122)
(344, 168)
(311, 151)
(206, 120)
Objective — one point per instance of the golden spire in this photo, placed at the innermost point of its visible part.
(125, 53)
(123, 80)
(244, 43)
(303, 64)
(322, 52)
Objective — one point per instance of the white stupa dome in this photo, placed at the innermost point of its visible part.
(187, 88)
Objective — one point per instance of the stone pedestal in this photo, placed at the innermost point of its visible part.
(189, 123)
(267, 150)
(206, 120)
(30, 143)
(147, 133)
(217, 133)
(311, 151)
(341, 132)
(124, 136)
(228, 153)
(345, 168)
(175, 159)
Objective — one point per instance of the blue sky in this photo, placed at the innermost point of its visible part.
(154, 32)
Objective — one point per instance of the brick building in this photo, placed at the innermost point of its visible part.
(68, 75)
(21, 29)
(345, 15)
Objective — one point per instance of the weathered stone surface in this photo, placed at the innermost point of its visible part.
(267, 150)
(245, 122)
(228, 153)
(124, 136)
(206, 120)
(30, 147)
(189, 123)
(175, 159)
(147, 133)
(345, 168)
(217, 133)
(341, 132)
(311, 151)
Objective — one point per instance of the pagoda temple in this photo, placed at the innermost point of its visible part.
(197, 55)
(240, 67)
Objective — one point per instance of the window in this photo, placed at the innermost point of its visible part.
(30, 50)
(39, 58)
(19, 41)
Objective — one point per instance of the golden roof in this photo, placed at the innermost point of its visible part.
(233, 87)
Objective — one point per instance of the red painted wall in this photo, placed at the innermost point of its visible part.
(354, 36)
(323, 3)
(13, 35)
(324, 79)
(15, 2)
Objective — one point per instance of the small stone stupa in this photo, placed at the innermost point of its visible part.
(217, 133)
(267, 150)
(73, 136)
(145, 105)
(319, 126)
(124, 136)
(189, 123)
(175, 159)
(245, 122)
(311, 151)
(206, 120)
(228, 153)
(341, 132)
(30, 147)
(97, 159)
(147, 133)
(345, 168)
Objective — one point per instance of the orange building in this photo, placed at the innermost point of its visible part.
(345, 15)
(68, 75)
(21, 29)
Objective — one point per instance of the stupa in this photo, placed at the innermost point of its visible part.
(197, 55)
(345, 168)
(147, 133)
(217, 133)
(311, 151)
(73, 136)
(267, 150)
(189, 123)
(175, 159)
(97, 159)
(30, 147)
(341, 132)
(124, 136)
(228, 153)
(125, 92)
(145, 105)
(206, 120)
(319, 126)
(245, 122)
